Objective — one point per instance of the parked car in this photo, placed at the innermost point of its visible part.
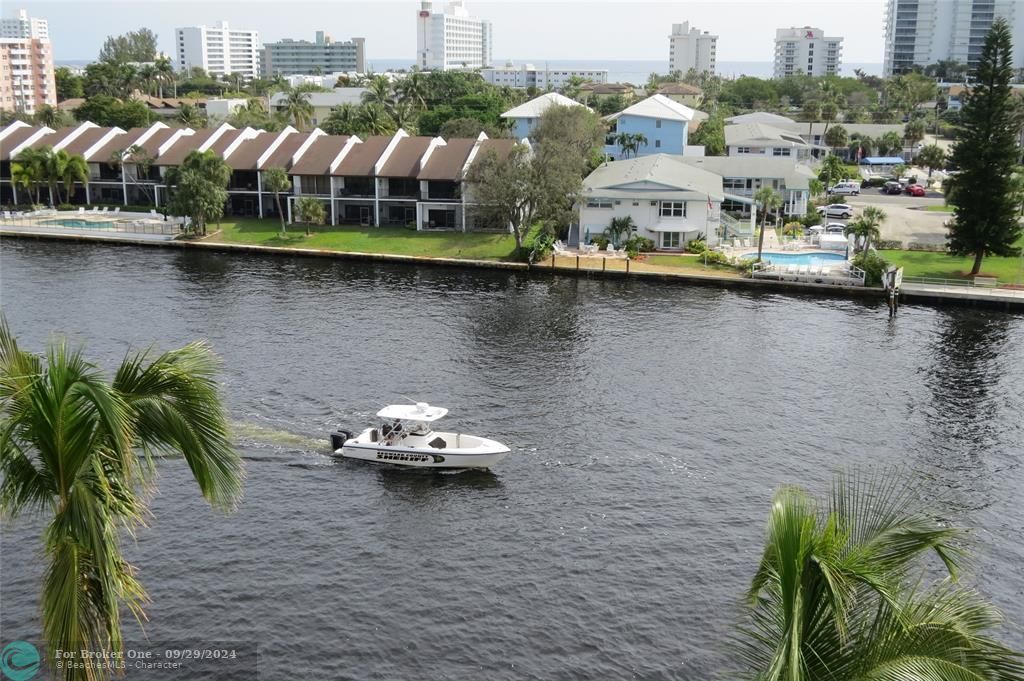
(835, 228)
(845, 188)
(892, 187)
(915, 190)
(836, 210)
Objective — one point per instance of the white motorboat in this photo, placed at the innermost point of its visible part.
(406, 438)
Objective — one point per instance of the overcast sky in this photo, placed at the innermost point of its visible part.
(566, 29)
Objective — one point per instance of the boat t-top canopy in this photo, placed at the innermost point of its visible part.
(421, 411)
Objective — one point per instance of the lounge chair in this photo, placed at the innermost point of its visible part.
(95, 209)
(81, 210)
(152, 211)
(791, 269)
(746, 243)
(117, 210)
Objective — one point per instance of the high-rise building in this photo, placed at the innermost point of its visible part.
(923, 32)
(219, 50)
(289, 56)
(24, 26)
(26, 64)
(26, 74)
(806, 51)
(452, 39)
(689, 48)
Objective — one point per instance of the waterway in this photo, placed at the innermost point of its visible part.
(650, 424)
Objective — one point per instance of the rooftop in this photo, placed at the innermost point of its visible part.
(658, 106)
(537, 106)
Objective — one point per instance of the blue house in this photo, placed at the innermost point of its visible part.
(526, 116)
(663, 123)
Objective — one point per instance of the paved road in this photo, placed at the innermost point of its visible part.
(905, 221)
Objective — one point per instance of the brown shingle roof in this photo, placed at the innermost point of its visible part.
(117, 143)
(606, 88)
(361, 157)
(14, 138)
(282, 156)
(244, 157)
(225, 140)
(151, 146)
(53, 138)
(81, 144)
(405, 157)
(317, 158)
(183, 147)
(445, 163)
(680, 89)
(501, 148)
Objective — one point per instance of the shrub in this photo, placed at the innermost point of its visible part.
(795, 228)
(601, 241)
(637, 244)
(67, 206)
(537, 243)
(873, 265)
(716, 258)
(697, 246)
(888, 245)
(873, 182)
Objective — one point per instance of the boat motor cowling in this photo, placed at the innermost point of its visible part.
(338, 439)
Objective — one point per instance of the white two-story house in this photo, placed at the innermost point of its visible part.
(670, 201)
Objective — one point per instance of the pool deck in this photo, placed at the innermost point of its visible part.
(997, 298)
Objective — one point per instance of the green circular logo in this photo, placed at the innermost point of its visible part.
(19, 661)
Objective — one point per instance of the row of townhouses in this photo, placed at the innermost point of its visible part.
(397, 180)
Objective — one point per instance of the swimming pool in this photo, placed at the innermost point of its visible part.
(815, 258)
(77, 222)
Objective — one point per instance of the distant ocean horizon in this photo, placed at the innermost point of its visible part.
(635, 71)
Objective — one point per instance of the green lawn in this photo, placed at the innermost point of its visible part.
(686, 262)
(390, 240)
(939, 209)
(942, 266)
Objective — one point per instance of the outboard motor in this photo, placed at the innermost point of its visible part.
(338, 439)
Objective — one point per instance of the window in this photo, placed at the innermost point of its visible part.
(673, 209)
(734, 183)
(742, 150)
(599, 203)
(670, 239)
(657, 123)
(657, 144)
(780, 151)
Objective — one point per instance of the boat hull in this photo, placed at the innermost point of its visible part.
(484, 454)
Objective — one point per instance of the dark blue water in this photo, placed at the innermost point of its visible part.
(649, 424)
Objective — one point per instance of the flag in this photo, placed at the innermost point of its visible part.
(709, 203)
(860, 150)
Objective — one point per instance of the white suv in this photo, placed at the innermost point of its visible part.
(845, 189)
(836, 210)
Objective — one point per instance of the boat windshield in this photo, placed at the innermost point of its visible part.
(397, 429)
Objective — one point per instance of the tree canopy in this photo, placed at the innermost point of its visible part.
(198, 188)
(134, 46)
(984, 195)
(104, 110)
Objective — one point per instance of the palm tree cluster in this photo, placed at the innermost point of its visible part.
(865, 229)
(78, 451)
(842, 593)
(34, 168)
(630, 143)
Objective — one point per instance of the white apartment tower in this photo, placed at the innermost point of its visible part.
(689, 48)
(806, 51)
(451, 39)
(24, 26)
(219, 50)
(923, 32)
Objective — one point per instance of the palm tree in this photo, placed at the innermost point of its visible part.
(865, 228)
(29, 170)
(164, 73)
(75, 169)
(769, 201)
(310, 211)
(190, 116)
(50, 116)
(625, 142)
(147, 74)
(375, 119)
(832, 169)
(298, 108)
(839, 596)
(639, 140)
(404, 116)
(619, 227)
(79, 451)
(378, 91)
(276, 180)
(343, 120)
(414, 90)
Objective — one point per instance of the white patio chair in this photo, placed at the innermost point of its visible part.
(95, 209)
(81, 210)
(152, 211)
(117, 210)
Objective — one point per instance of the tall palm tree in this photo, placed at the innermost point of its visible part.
(404, 116)
(276, 180)
(79, 451)
(147, 74)
(75, 169)
(378, 91)
(47, 115)
(414, 90)
(769, 201)
(619, 227)
(838, 593)
(375, 119)
(297, 108)
(164, 73)
(865, 228)
(28, 170)
(190, 116)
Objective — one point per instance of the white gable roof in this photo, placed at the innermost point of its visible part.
(654, 176)
(537, 106)
(658, 106)
(763, 117)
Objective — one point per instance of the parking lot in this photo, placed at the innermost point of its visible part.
(906, 219)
